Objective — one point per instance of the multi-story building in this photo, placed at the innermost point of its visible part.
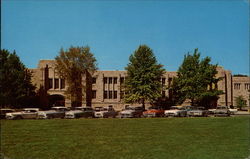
(106, 89)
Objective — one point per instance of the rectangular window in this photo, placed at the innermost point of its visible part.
(56, 83)
(110, 80)
(50, 83)
(237, 86)
(110, 94)
(122, 80)
(163, 93)
(169, 81)
(62, 83)
(93, 94)
(163, 81)
(105, 80)
(105, 94)
(115, 80)
(247, 86)
(93, 80)
(115, 94)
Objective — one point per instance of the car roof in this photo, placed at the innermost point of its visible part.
(30, 108)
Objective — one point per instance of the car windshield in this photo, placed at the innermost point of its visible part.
(173, 108)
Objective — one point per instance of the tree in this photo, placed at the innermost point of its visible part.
(16, 89)
(72, 65)
(196, 80)
(143, 77)
(240, 102)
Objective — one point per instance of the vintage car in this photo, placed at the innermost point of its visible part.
(131, 112)
(232, 110)
(197, 112)
(176, 111)
(153, 112)
(79, 112)
(26, 113)
(3, 112)
(105, 112)
(222, 111)
(55, 112)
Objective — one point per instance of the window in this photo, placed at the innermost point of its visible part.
(56, 83)
(110, 94)
(115, 80)
(105, 94)
(122, 80)
(62, 83)
(170, 80)
(50, 83)
(247, 86)
(237, 86)
(110, 80)
(163, 93)
(115, 94)
(105, 80)
(93, 80)
(163, 80)
(121, 94)
(93, 94)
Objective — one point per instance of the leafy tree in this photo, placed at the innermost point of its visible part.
(16, 89)
(143, 77)
(196, 80)
(240, 102)
(72, 65)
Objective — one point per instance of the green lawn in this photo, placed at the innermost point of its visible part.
(162, 138)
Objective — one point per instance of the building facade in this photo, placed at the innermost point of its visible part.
(106, 86)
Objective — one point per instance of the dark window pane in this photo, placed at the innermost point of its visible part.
(122, 80)
(110, 94)
(62, 83)
(115, 80)
(163, 81)
(56, 83)
(115, 94)
(105, 94)
(105, 80)
(50, 83)
(110, 80)
(93, 94)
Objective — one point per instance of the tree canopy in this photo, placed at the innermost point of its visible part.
(16, 88)
(196, 80)
(143, 77)
(240, 102)
(72, 65)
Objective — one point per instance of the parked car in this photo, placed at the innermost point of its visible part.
(176, 111)
(154, 112)
(222, 111)
(4, 111)
(55, 112)
(105, 112)
(131, 112)
(79, 112)
(198, 111)
(232, 110)
(26, 113)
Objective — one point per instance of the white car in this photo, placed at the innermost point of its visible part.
(80, 112)
(55, 112)
(232, 110)
(105, 112)
(176, 111)
(26, 113)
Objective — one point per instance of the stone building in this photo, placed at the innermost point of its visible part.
(106, 90)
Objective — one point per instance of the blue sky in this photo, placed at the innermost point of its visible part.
(37, 29)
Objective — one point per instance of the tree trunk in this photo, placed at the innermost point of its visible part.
(143, 104)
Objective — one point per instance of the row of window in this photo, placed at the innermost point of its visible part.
(113, 94)
(110, 80)
(56, 83)
(238, 86)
